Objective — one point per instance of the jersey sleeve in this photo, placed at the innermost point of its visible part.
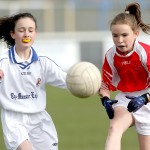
(147, 50)
(53, 74)
(148, 60)
(107, 77)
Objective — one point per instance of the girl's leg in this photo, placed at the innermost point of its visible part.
(26, 145)
(144, 142)
(43, 136)
(118, 125)
(43, 140)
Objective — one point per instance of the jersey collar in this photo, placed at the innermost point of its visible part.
(19, 60)
(15, 60)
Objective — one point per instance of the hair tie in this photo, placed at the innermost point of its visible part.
(127, 12)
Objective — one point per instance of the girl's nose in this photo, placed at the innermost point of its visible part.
(26, 33)
(120, 39)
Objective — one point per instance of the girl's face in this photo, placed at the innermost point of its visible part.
(123, 37)
(24, 33)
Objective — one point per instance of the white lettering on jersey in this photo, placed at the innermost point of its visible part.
(126, 62)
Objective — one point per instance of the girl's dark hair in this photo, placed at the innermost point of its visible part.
(132, 17)
(7, 25)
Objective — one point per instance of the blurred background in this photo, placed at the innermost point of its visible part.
(74, 29)
(70, 31)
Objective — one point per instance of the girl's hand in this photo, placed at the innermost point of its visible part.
(107, 103)
(137, 102)
(1, 74)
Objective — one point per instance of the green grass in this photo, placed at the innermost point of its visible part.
(81, 123)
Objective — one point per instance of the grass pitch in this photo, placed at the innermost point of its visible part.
(81, 123)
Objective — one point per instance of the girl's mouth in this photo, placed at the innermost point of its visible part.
(26, 40)
(121, 46)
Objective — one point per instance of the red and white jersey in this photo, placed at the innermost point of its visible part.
(127, 73)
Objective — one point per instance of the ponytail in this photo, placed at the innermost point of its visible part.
(132, 17)
(134, 9)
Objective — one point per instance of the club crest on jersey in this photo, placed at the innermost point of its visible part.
(38, 82)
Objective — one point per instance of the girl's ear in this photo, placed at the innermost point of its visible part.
(12, 34)
(136, 33)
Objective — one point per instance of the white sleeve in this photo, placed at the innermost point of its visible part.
(53, 74)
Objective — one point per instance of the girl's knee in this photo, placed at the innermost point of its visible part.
(26, 145)
(116, 128)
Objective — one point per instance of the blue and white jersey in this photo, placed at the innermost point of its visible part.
(22, 88)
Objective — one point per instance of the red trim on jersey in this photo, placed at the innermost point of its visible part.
(107, 77)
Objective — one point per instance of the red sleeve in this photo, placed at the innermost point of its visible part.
(107, 77)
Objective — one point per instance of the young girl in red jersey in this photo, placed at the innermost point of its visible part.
(126, 68)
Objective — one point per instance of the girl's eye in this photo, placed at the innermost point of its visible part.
(21, 30)
(114, 35)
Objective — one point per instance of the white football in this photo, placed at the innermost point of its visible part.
(83, 79)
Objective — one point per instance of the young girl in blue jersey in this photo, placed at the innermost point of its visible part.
(25, 122)
(126, 68)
